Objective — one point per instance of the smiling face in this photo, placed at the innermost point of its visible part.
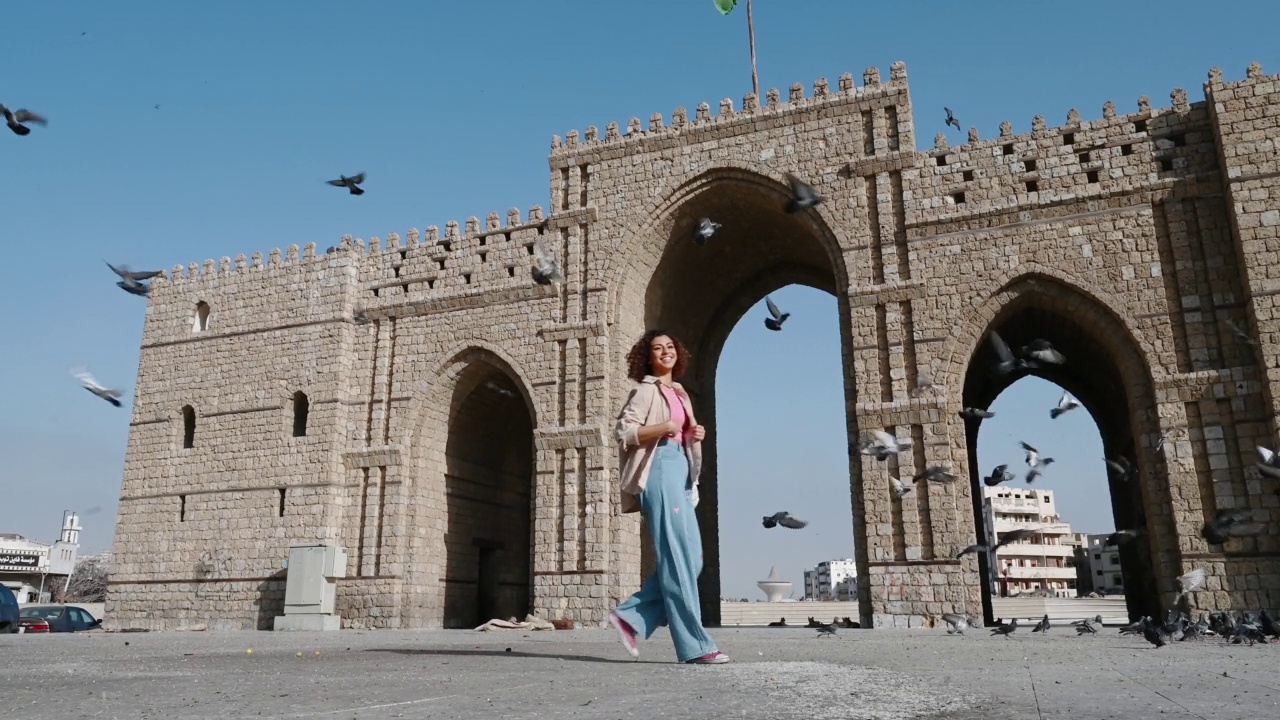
(662, 355)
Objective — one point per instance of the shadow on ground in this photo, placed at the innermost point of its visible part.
(478, 652)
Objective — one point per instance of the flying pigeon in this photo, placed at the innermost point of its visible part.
(130, 280)
(1189, 583)
(1001, 474)
(359, 317)
(1014, 536)
(1227, 524)
(975, 548)
(951, 118)
(1121, 536)
(88, 382)
(350, 183)
(924, 381)
(1270, 464)
(935, 473)
(784, 519)
(1042, 626)
(971, 413)
(900, 488)
(1120, 467)
(885, 445)
(1066, 404)
(706, 228)
(779, 317)
(803, 196)
(1035, 462)
(1240, 333)
(1086, 627)
(1005, 361)
(546, 271)
(1041, 351)
(956, 623)
(1164, 437)
(15, 119)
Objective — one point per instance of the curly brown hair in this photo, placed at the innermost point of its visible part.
(638, 357)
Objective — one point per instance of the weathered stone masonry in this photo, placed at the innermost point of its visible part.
(459, 444)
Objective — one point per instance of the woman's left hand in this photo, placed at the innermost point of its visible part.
(699, 432)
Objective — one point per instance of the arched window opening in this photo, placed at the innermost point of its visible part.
(301, 407)
(188, 427)
(201, 322)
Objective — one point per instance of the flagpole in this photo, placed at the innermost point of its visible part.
(751, 33)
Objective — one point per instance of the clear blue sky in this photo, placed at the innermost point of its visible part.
(450, 108)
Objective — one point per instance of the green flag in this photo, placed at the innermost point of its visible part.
(725, 6)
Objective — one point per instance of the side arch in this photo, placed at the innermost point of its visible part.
(437, 483)
(657, 221)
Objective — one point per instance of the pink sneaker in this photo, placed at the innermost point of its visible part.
(714, 658)
(625, 632)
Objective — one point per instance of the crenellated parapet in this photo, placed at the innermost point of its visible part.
(752, 110)
(1149, 148)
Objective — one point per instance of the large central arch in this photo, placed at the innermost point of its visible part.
(1108, 371)
(699, 293)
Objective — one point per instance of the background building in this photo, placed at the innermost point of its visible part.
(1045, 563)
(832, 580)
(31, 569)
(1098, 567)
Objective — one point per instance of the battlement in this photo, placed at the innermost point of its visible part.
(1080, 158)
(751, 111)
(432, 243)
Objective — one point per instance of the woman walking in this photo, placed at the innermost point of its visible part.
(661, 458)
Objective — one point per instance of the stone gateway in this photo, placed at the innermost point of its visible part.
(424, 403)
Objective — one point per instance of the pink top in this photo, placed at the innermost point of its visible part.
(677, 411)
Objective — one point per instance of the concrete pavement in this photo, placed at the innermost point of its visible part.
(776, 674)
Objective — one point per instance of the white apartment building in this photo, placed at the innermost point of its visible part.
(28, 568)
(1098, 567)
(832, 580)
(1043, 563)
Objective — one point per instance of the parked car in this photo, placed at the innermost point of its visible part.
(56, 618)
(8, 611)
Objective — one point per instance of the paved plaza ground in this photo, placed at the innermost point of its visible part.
(776, 673)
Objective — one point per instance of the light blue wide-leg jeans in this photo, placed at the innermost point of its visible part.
(671, 593)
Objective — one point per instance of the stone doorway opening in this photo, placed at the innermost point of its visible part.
(489, 476)
(1104, 372)
(700, 293)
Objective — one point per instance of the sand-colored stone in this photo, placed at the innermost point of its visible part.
(1133, 242)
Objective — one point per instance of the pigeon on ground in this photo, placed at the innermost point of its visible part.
(352, 184)
(803, 196)
(1086, 628)
(1270, 464)
(885, 445)
(935, 473)
(1042, 626)
(900, 488)
(957, 623)
(546, 271)
(1005, 361)
(971, 413)
(1227, 524)
(1066, 404)
(1001, 474)
(827, 630)
(951, 118)
(1155, 634)
(779, 317)
(1042, 351)
(1121, 468)
(1005, 630)
(1034, 462)
(784, 519)
(15, 119)
(706, 228)
(88, 382)
(130, 281)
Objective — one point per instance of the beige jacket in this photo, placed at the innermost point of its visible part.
(646, 406)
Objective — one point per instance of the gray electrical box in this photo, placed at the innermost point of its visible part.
(310, 589)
